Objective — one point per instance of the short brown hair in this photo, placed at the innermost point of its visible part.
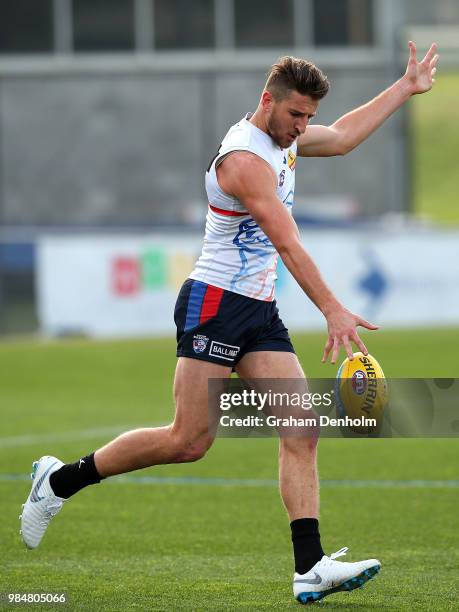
(295, 74)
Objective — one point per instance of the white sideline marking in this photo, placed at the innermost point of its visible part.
(255, 482)
(96, 432)
(67, 436)
(259, 482)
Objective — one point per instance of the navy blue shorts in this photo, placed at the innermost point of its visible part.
(222, 326)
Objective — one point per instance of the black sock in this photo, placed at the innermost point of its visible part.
(306, 544)
(73, 477)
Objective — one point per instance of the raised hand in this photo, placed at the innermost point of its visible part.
(420, 76)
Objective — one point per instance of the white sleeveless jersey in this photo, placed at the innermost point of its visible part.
(237, 255)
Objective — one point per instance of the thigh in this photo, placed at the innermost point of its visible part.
(287, 376)
(269, 364)
(192, 416)
(268, 333)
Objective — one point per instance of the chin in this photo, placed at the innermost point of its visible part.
(283, 143)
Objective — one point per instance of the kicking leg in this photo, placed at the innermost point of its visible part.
(298, 478)
(316, 575)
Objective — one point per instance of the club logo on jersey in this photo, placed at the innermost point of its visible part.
(291, 160)
(200, 343)
(223, 351)
(281, 178)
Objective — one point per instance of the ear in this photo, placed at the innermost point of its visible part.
(267, 100)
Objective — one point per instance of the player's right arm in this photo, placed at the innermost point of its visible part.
(252, 181)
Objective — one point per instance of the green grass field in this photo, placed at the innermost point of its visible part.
(206, 544)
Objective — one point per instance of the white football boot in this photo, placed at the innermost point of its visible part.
(329, 576)
(42, 504)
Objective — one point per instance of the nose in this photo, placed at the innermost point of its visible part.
(301, 125)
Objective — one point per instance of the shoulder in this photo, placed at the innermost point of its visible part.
(245, 165)
(238, 136)
(243, 173)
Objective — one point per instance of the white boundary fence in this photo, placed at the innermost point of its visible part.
(126, 286)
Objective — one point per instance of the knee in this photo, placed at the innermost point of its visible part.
(300, 445)
(188, 454)
(187, 450)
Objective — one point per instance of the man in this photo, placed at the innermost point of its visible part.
(227, 318)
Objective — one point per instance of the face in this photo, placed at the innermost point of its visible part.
(288, 119)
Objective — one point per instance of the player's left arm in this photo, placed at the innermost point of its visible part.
(356, 126)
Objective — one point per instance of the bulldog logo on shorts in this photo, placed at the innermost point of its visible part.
(200, 343)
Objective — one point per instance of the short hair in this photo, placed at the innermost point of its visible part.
(295, 74)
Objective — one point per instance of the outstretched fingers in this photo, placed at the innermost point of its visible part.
(327, 349)
(430, 55)
(359, 342)
(335, 352)
(331, 345)
(367, 324)
(348, 347)
(433, 66)
(334, 343)
(412, 48)
(434, 61)
(342, 332)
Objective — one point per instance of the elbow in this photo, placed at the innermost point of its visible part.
(283, 250)
(286, 247)
(344, 147)
(349, 148)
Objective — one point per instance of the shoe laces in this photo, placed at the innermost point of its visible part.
(340, 553)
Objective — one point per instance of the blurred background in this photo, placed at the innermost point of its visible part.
(110, 111)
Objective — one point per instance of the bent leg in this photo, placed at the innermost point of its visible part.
(298, 475)
(187, 439)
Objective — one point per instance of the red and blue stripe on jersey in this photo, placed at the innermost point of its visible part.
(203, 304)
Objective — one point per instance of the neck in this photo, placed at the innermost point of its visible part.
(258, 121)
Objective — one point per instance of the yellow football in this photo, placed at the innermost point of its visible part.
(361, 393)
